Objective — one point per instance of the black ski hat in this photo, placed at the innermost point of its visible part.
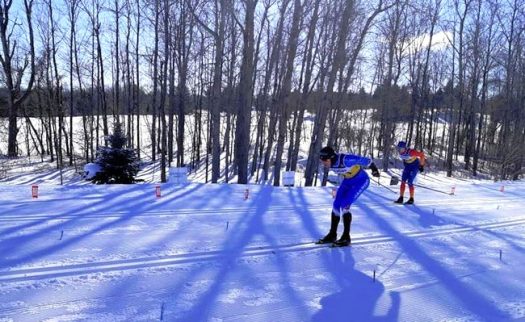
(326, 153)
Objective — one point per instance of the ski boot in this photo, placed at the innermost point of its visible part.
(410, 201)
(332, 235)
(345, 238)
(342, 242)
(329, 238)
(399, 200)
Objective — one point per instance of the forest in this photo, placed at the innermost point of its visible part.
(231, 84)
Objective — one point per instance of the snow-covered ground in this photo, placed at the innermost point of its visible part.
(201, 252)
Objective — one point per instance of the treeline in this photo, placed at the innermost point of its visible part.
(447, 76)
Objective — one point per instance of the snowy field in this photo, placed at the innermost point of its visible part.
(201, 252)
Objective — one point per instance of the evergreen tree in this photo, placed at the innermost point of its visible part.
(118, 163)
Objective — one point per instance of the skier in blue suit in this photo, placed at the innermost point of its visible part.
(355, 181)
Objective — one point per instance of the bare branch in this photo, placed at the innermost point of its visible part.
(212, 32)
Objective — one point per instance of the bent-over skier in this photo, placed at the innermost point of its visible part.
(414, 161)
(355, 181)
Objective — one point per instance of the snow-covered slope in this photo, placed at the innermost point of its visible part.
(206, 253)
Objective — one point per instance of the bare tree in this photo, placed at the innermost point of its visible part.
(128, 80)
(268, 98)
(488, 64)
(395, 32)
(218, 35)
(184, 42)
(261, 109)
(283, 101)
(338, 62)
(242, 125)
(155, 82)
(475, 70)
(116, 90)
(510, 139)
(305, 85)
(14, 68)
(57, 98)
(136, 100)
(462, 11)
(163, 89)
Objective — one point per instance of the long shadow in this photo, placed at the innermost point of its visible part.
(300, 205)
(427, 218)
(177, 192)
(9, 246)
(132, 211)
(202, 307)
(470, 299)
(246, 229)
(102, 200)
(27, 237)
(30, 178)
(497, 191)
(358, 297)
(106, 201)
(16, 244)
(281, 260)
(173, 291)
(499, 235)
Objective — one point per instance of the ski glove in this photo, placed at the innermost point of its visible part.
(421, 168)
(375, 171)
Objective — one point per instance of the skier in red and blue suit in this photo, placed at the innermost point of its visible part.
(414, 161)
(355, 181)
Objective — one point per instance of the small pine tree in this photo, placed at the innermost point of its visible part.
(118, 164)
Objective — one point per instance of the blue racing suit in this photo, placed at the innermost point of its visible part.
(355, 180)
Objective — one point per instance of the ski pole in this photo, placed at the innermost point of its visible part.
(420, 186)
(436, 190)
(382, 185)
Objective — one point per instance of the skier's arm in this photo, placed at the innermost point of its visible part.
(355, 162)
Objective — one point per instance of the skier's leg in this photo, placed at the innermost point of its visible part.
(360, 184)
(332, 234)
(401, 192)
(411, 187)
(347, 221)
(404, 178)
(335, 216)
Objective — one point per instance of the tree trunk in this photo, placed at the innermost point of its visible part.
(13, 74)
(242, 128)
(286, 88)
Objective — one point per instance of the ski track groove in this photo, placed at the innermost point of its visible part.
(228, 211)
(39, 273)
(158, 213)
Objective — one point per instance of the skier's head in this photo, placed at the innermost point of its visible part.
(326, 155)
(401, 146)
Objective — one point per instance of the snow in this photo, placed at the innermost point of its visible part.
(203, 252)
(91, 170)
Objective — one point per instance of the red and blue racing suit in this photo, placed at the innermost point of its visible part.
(412, 160)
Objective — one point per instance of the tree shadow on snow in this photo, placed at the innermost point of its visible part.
(359, 294)
(467, 297)
(427, 218)
(13, 249)
(202, 307)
